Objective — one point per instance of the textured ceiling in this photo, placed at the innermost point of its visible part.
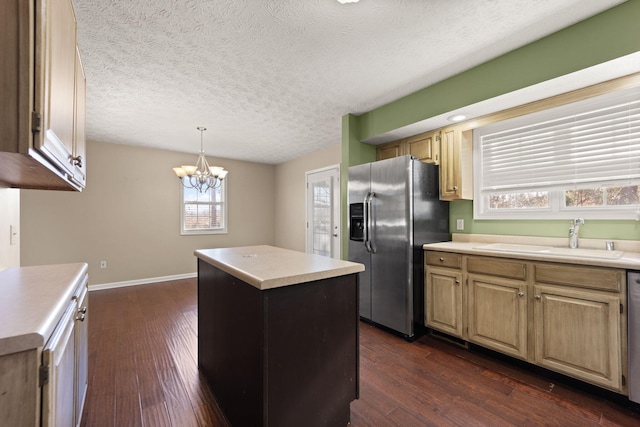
(271, 79)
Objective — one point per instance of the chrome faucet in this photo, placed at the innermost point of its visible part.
(574, 229)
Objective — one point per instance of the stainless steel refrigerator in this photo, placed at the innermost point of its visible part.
(394, 209)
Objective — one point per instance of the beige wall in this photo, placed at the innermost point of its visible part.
(9, 216)
(290, 195)
(129, 215)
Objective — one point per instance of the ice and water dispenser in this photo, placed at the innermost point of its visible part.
(356, 222)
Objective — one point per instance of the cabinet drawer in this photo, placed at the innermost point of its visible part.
(497, 267)
(608, 279)
(443, 259)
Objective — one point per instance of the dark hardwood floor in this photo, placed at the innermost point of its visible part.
(143, 372)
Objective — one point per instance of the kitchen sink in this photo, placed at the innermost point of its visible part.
(510, 247)
(587, 253)
(550, 250)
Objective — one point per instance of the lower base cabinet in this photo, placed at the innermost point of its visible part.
(443, 301)
(46, 386)
(578, 333)
(567, 318)
(497, 314)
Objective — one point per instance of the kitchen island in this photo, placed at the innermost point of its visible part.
(278, 335)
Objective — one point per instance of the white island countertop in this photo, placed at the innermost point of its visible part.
(267, 267)
(32, 301)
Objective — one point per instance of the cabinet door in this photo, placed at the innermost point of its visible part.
(55, 81)
(497, 314)
(449, 164)
(425, 146)
(578, 333)
(79, 159)
(443, 300)
(390, 150)
(82, 353)
(59, 357)
(456, 164)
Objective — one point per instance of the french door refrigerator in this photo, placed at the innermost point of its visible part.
(394, 209)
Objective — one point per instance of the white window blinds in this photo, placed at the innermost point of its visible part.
(588, 143)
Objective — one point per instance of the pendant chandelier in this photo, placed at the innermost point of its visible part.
(202, 177)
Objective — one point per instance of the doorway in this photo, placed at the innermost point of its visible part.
(323, 211)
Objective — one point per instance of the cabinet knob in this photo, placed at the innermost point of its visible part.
(455, 188)
(457, 282)
(441, 259)
(82, 310)
(537, 297)
(76, 161)
(520, 294)
(81, 317)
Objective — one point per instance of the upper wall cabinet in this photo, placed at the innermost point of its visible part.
(391, 149)
(450, 147)
(424, 146)
(456, 164)
(42, 142)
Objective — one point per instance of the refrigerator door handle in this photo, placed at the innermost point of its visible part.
(366, 206)
(372, 247)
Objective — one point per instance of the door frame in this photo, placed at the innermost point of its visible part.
(336, 205)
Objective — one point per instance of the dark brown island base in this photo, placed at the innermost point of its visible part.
(278, 335)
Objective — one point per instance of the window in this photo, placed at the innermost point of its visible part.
(581, 159)
(204, 213)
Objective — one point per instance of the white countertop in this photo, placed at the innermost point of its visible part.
(32, 300)
(472, 244)
(268, 267)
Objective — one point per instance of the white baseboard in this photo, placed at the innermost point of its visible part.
(141, 281)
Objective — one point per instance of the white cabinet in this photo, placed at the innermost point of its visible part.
(82, 353)
(46, 383)
(64, 363)
(58, 360)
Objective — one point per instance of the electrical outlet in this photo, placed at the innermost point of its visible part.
(103, 264)
(460, 224)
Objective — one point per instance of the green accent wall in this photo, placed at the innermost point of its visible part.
(593, 229)
(601, 38)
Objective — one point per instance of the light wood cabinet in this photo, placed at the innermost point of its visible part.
(567, 318)
(497, 304)
(581, 332)
(41, 138)
(443, 293)
(390, 150)
(424, 146)
(450, 147)
(456, 164)
(497, 314)
(443, 300)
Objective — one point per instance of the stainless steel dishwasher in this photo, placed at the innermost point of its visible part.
(633, 286)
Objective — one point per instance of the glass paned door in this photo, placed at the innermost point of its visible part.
(323, 212)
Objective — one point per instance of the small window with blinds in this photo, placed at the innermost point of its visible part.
(581, 159)
(204, 213)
